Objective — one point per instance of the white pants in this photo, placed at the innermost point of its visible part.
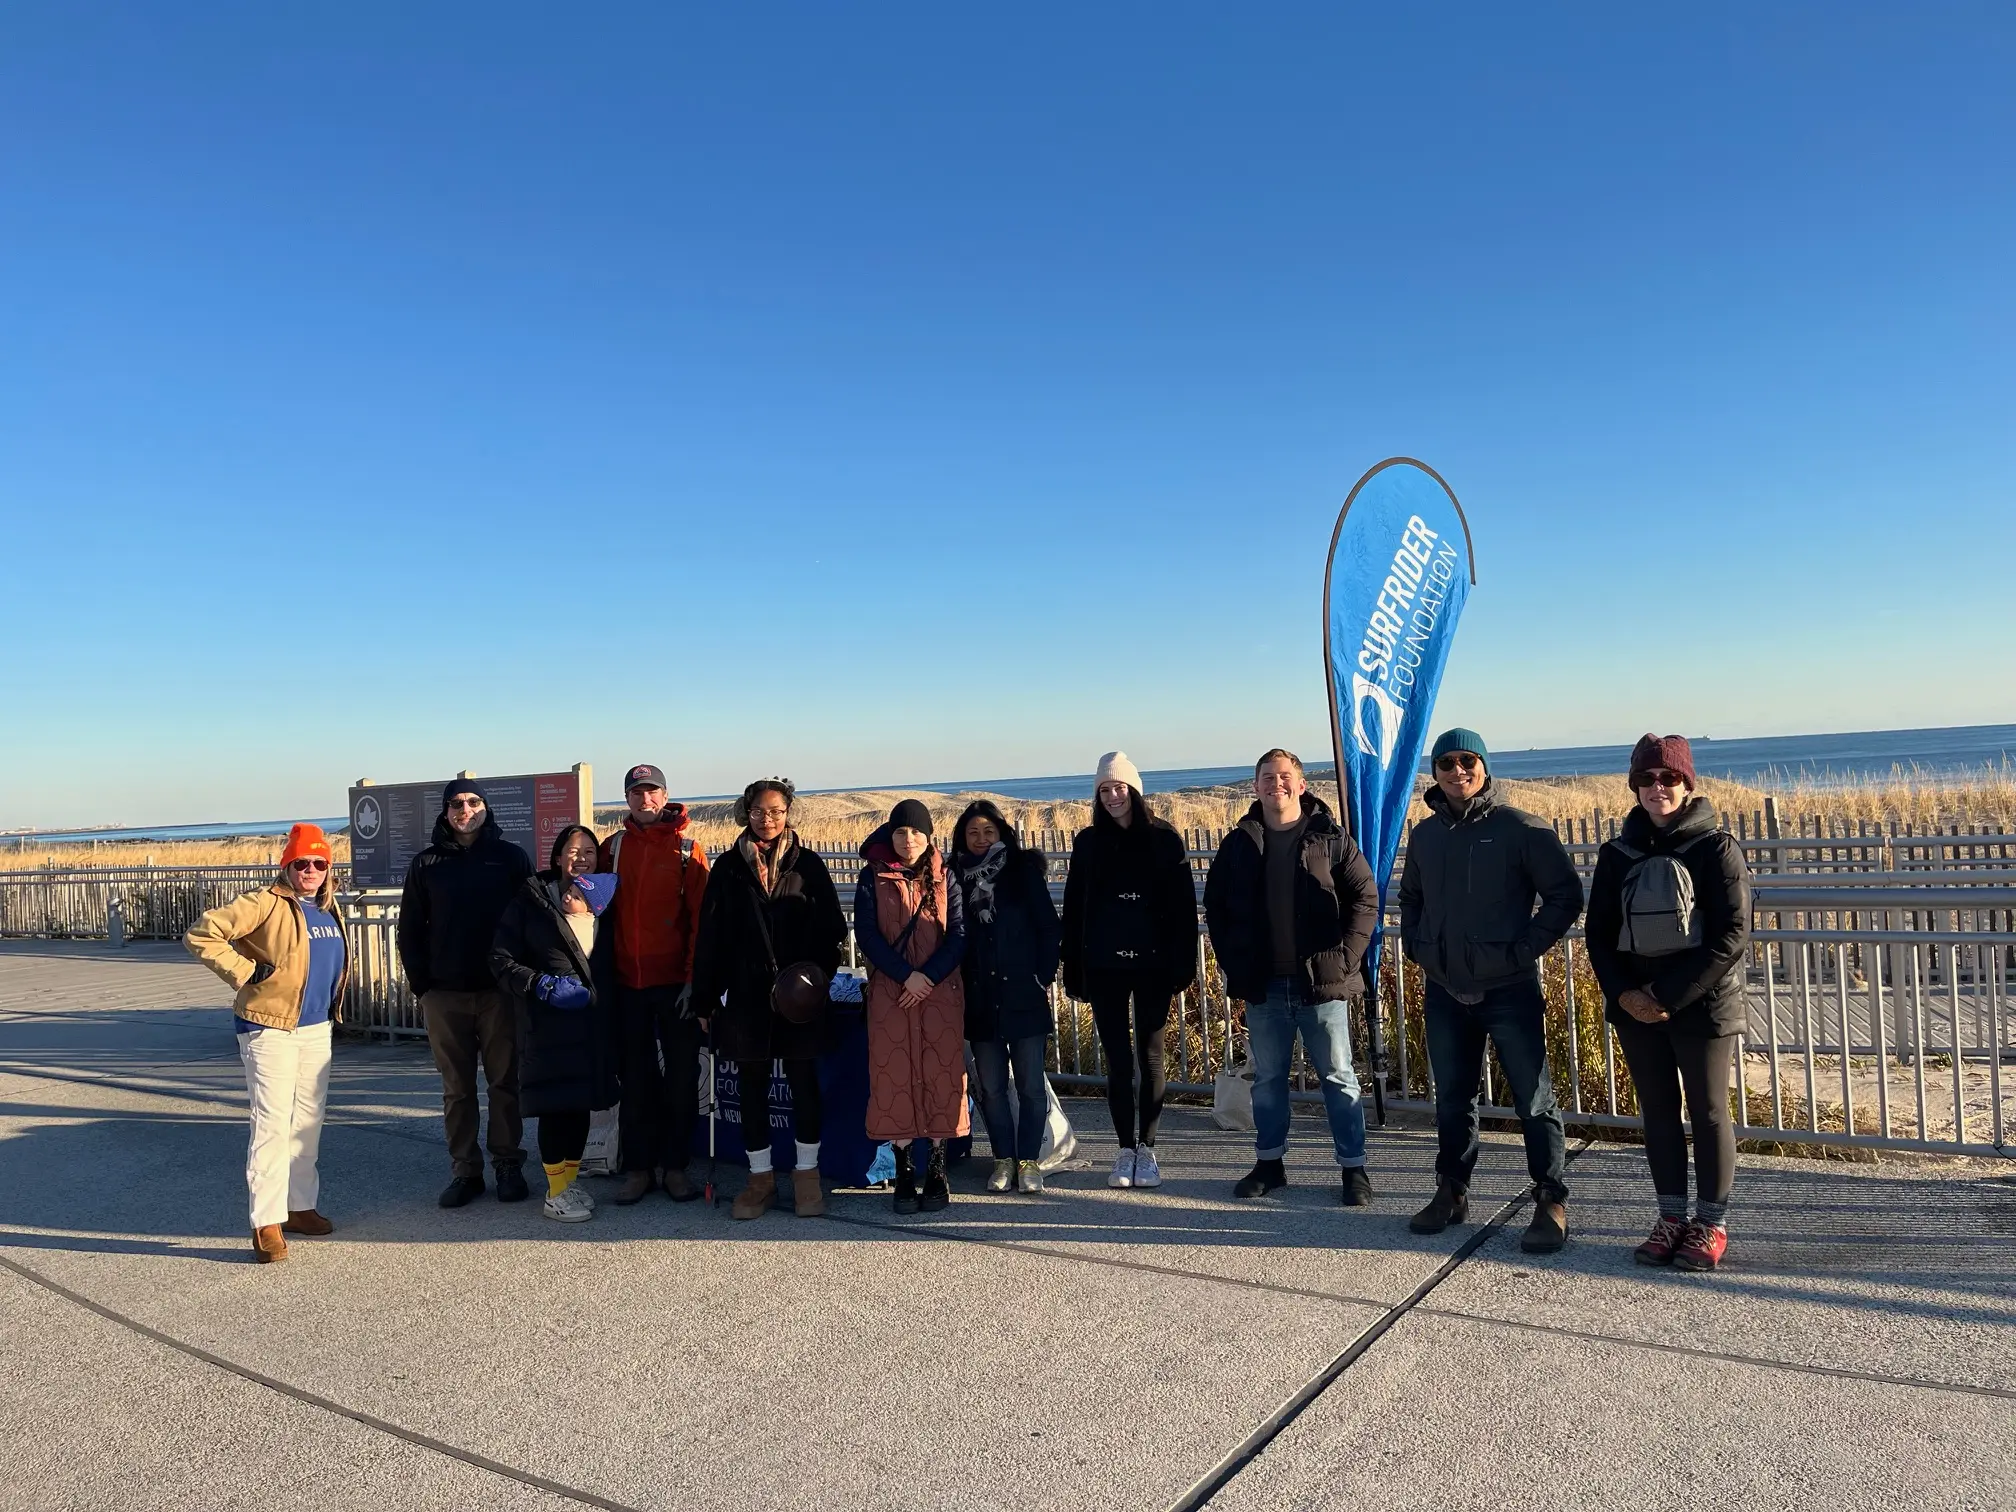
(287, 1077)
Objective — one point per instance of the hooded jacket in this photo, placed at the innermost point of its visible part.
(885, 872)
(568, 1057)
(1130, 903)
(1336, 907)
(656, 913)
(1010, 960)
(453, 898)
(1701, 988)
(746, 936)
(1469, 889)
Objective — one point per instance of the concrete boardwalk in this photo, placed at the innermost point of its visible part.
(1085, 1349)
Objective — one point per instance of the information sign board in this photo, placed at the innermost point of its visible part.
(391, 823)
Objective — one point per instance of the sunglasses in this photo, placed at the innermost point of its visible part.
(1659, 779)
(1461, 759)
(309, 865)
(465, 803)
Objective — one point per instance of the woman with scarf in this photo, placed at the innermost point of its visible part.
(770, 904)
(1668, 929)
(554, 960)
(1011, 959)
(909, 921)
(1130, 935)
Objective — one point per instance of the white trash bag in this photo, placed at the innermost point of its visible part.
(603, 1154)
(1060, 1140)
(1232, 1097)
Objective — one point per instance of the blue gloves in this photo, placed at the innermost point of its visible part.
(562, 991)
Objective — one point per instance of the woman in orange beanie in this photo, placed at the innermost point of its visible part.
(283, 949)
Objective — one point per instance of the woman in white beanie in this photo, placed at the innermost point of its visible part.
(1130, 945)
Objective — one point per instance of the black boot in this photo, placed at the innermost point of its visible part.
(1450, 1204)
(936, 1192)
(906, 1181)
(462, 1191)
(1357, 1187)
(1266, 1176)
(511, 1185)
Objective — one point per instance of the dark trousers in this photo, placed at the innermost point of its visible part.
(1128, 1054)
(562, 1136)
(1662, 1065)
(463, 1029)
(661, 1079)
(1015, 1133)
(753, 1077)
(1513, 1019)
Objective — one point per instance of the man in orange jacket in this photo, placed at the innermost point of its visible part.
(655, 915)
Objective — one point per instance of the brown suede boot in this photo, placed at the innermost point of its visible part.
(757, 1198)
(807, 1195)
(308, 1221)
(268, 1244)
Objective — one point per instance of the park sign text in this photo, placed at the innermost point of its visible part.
(391, 823)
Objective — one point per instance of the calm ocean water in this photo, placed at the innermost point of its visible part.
(1782, 758)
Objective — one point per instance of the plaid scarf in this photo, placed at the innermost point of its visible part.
(769, 862)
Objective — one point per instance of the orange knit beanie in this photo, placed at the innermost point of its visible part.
(306, 840)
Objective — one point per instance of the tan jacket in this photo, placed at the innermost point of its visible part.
(264, 928)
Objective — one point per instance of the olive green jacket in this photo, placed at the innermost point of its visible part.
(264, 929)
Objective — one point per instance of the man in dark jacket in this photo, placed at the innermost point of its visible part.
(1475, 870)
(456, 890)
(1291, 904)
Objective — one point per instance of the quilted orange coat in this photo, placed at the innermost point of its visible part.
(916, 1055)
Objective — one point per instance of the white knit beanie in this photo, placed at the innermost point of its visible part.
(1115, 767)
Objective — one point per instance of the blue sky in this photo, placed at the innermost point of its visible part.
(909, 393)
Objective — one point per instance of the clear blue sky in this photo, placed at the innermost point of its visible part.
(884, 393)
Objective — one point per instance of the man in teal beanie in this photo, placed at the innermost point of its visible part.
(1475, 870)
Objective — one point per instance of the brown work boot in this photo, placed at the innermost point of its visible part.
(635, 1185)
(757, 1198)
(1549, 1229)
(806, 1194)
(269, 1244)
(308, 1221)
(678, 1185)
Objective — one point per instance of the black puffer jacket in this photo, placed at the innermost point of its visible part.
(568, 1056)
(1336, 907)
(1130, 904)
(747, 936)
(1010, 960)
(448, 913)
(1469, 889)
(1701, 988)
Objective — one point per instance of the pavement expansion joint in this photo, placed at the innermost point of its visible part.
(312, 1399)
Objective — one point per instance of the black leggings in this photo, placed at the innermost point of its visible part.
(1662, 1063)
(562, 1136)
(803, 1077)
(1128, 1052)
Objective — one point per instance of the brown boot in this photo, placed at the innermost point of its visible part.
(807, 1195)
(268, 1244)
(635, 1185)
(679, 1186)
(757, 1198)
(308, 1221)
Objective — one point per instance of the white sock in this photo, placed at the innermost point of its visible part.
(808, 1155)
(759, 1161)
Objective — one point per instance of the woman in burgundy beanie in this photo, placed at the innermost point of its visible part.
(1668, 929)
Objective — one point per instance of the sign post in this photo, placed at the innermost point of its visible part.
(391, 823)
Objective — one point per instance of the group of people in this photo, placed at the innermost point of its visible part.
(591, 984)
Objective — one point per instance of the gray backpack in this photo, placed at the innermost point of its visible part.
(1660, 914)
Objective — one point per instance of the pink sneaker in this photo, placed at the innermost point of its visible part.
(1702, 1249)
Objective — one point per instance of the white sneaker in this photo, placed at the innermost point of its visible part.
(1003, 1177)
(1031, 1176)
(586, 1200)
(570, 1206)
(1123, 1170)
(1146, 1172)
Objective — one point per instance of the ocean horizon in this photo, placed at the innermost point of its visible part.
(1769, 760)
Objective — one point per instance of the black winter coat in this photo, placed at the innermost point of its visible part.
(737, 960)
(1469, 889)
(1336, 908)
(1701, 988)
(1011, 961)
(568, 1057)
(448, 913)
(1130, 904)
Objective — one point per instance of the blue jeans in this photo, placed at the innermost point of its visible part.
(1014, 1135)
(1272, 1024)
(1512, 1017)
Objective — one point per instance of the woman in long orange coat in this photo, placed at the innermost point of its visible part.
(910, 925)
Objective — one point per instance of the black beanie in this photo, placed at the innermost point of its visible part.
(910, 814)
(462, 785)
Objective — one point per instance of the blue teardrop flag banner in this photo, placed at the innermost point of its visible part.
(1400, 570)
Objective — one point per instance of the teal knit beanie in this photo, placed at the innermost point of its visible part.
(1460, 739)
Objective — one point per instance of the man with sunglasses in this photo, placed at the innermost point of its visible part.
(455, 893)
(1476, 869)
